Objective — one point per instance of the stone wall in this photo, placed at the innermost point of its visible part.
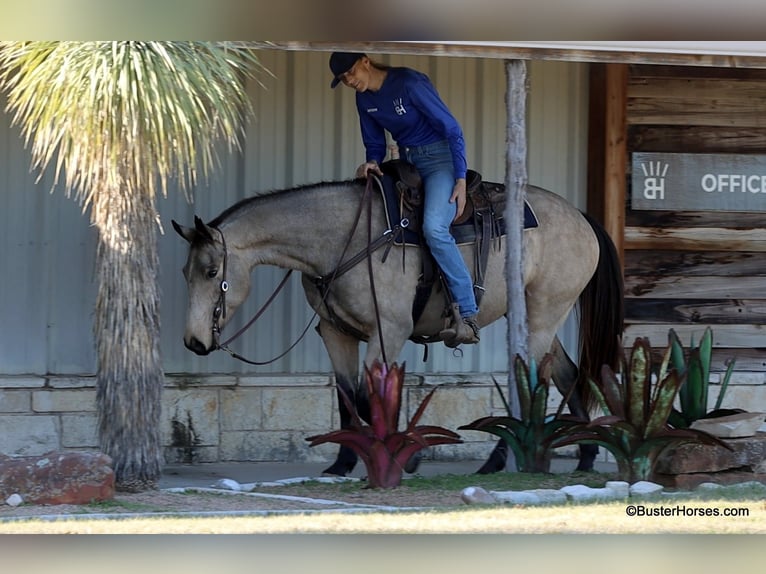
(265, 418)
(234, 418)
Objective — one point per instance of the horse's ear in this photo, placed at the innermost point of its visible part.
(202, 229)
(186, 232)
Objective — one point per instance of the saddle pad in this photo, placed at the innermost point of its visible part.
(464, 233)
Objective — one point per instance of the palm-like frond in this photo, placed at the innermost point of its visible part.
(147, 112)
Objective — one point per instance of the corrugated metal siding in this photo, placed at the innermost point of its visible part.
(304, 132)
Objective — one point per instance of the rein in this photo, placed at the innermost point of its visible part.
(323, 283)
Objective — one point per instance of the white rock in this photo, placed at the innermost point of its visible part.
(14, 500)
(476, 495)
(708, 486)
(227, 484)
(732, 426)
(620, 488)
(645, 488)
(516, 497)
(549, 495)
(580, 493)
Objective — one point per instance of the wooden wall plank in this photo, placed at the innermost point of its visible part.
(710, 287)
(696, 139)
(700, 311)
(695, 239)
(729, 336)
(641, 262)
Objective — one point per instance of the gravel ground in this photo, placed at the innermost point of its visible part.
(274, 499)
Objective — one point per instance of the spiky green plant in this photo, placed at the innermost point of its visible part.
(534, 434)
(383, 448)
(634, 427)
(693, 395)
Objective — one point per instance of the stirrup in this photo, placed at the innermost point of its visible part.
(461, 330)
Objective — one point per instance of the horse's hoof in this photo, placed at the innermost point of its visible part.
(337, 469)
(491, 467)
(413, 463)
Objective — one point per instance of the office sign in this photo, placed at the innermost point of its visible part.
(698, 182)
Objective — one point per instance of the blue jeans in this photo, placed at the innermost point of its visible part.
(434, 163)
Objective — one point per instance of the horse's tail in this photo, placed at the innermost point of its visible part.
(601, 315)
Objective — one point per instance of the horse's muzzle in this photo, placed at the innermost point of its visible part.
(196, 346)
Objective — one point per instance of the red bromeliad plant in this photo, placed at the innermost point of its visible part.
(383, 448)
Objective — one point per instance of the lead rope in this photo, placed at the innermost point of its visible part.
(368, 194)
(224, 287)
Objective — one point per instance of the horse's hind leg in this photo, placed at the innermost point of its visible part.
(344, 356)
(564, 376)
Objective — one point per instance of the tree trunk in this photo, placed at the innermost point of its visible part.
(516, 189)
(127, 336)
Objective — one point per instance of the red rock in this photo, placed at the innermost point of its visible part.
(58, 478)
(692, 480)
(748, 453)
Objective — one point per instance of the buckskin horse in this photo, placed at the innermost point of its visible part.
(312, 228)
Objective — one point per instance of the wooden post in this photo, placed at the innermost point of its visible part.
(516, 189)
(615, 152)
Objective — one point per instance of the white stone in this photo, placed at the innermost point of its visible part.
(476, 495)
(581, 493)
(14, 500)
(708, 486)
(620, 488)
(732, 426)
(227, 484)
(516, 497)
(645, 488)
(549, 495)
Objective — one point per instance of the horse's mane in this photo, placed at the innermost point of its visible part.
(244, 203)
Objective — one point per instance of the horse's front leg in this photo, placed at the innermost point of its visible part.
(344, 356)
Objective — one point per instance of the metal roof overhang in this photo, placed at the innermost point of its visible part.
(682, 53)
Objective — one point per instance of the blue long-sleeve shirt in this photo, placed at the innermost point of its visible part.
(409, 107)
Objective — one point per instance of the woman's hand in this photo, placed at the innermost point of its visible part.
(458, 195)
(371, 166)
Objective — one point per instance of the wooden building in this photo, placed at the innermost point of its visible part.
(697, 265)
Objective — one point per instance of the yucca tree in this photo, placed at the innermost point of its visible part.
(118, 122)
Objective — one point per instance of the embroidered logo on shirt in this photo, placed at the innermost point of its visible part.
(399, 107)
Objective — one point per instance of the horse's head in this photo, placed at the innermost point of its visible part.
(218, 283)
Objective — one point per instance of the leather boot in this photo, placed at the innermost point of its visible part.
(461, 330)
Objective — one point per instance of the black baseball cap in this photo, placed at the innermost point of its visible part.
(342, 62)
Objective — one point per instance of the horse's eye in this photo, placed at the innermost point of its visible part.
(211, 273)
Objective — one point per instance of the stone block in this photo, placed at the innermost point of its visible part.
(190, 455)
(241, 409)
(79, 431)
(58, 478)
(582, 493)
(15, 401)
(28, 435)
(190, 418)
(285, 381)
(74, 401)
(297, 408)
(699, 458)
(522, 497)
(21, 382)
(279, 446)
(451, 406)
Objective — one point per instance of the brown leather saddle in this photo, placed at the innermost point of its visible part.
(480, 224)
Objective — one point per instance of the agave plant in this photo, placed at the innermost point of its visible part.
(693, 396)
(534, 434)
(634, 427)
(383, 448)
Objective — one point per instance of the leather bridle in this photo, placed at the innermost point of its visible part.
(322, 283)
